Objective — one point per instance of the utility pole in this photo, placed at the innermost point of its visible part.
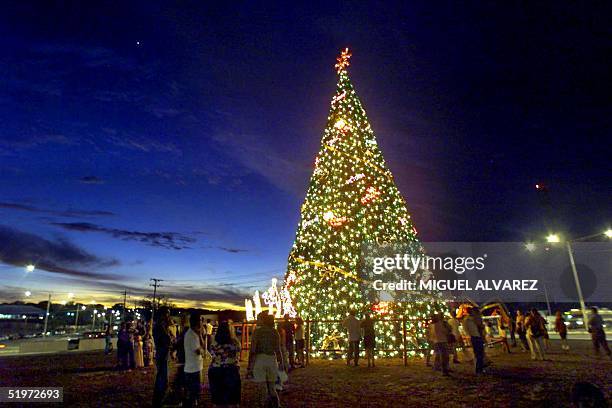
(155, 285)
(124, 306)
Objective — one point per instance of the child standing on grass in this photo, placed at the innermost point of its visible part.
(369, 339)
(561, 328)
(299, 342)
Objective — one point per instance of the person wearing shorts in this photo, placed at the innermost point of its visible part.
(264, 359)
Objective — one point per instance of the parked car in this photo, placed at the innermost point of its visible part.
(93, 335)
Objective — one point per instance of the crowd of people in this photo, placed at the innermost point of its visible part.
(278, 348)
(134, 345)
(275, 350)
(468, 333)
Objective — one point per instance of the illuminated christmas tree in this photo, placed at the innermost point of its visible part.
(352, 200)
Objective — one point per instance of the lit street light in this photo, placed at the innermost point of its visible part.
(554, 238)
(30, 268)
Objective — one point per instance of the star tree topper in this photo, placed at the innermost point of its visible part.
(343, 60)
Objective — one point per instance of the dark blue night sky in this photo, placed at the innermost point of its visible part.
(141, 139)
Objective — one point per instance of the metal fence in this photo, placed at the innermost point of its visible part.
(407, 342)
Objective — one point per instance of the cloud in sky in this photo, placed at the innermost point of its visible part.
(70, 213)
(167, 240)
(250, 151)
(231, 250)
(91, 180)
(60, 256)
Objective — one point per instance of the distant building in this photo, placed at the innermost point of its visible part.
(20, 320)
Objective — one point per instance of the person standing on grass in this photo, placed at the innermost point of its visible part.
(283, 343)
(125, 347)
(521, 330)
(369, 339)
(178, 388)
(108, 337)
(454, 325)
(147, 344)
(471, 329)
(512, 327)
(138, 353)
(299, 341)
(209, 333)
(545, 335)
(598, 336)
(193, 350)
(224, 370)
(430, 343)
(353, 325)
(265, 357)
(289, 329)
(501, 331)
(534, 323)
(561, 328)
(439, 334)
(163, 338)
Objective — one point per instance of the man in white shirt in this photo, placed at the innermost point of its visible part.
(353, 325)
(470, 326)
(193, 360)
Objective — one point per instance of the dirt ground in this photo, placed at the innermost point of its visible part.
(89, 379)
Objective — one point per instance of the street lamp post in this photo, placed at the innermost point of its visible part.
(568, 245)
(93, 322)
(47, 315)
(554, 238)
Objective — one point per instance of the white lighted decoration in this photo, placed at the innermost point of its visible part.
(338, 97)
(340, 124)
(333, 220)
(309, 222)
(278, 301)
(285, 298)
(272, 299)
(248, 304)
(257, 303)
(355, 178)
